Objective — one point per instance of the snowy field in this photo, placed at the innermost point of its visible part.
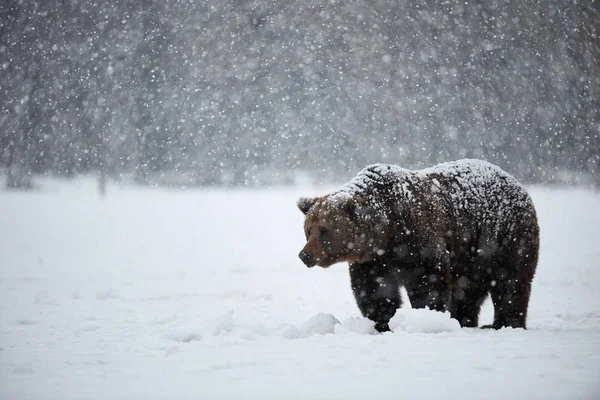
(199, 294)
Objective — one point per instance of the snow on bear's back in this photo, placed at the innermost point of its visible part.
(479, 182)
(473, 186)
(485, 191)
(470, 172)
(471, 175)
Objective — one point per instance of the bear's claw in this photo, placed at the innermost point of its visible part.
(382, 327)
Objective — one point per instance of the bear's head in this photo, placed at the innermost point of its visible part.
(341, 229)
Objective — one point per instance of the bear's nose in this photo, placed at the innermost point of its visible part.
(306, 259)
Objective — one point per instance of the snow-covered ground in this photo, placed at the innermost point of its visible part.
(199, 294)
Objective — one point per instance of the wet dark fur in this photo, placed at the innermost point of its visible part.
(446, 258)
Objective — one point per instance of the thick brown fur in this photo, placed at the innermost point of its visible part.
(450, 235)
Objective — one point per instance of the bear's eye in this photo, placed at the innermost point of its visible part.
(323, 231)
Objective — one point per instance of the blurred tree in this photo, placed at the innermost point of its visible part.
(584, 113)
(241, 92)
(23, 46)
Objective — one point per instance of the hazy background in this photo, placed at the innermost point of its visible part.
(198, 93)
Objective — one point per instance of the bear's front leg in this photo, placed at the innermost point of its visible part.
(376, 291)
(427, 286)
(428, 294)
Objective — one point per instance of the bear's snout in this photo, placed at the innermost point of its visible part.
(306, 259)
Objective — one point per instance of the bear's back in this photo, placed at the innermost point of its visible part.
(481, 192)
(474, 190)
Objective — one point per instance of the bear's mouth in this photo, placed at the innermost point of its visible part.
(326, 262)
(323, 261)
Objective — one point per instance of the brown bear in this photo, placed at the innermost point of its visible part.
(450, 234)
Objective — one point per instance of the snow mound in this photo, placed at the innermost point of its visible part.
(423, 321)
(320, 324)
(288, 331)
(184, 335)
(408, 320)
(224, 324)
(359, 325)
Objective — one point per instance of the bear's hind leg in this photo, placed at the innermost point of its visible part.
(511, 287)
(376, 291)
(511, 299)
(514, 272)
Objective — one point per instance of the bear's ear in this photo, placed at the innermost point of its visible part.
(355, 208)
(351, 208)
(305, 203)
